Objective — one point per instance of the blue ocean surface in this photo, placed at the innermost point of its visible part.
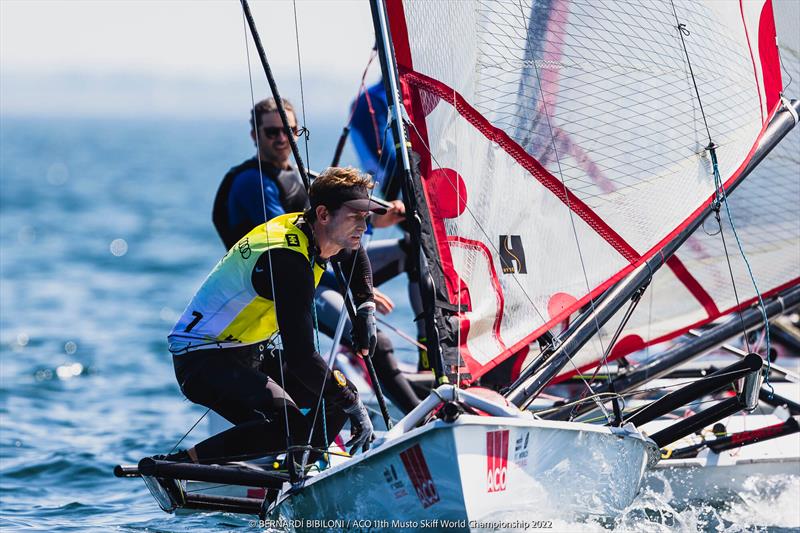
(105, 233)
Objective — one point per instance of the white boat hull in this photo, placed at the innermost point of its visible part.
(476, 468)
(715, 476)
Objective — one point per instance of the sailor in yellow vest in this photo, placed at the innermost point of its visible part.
(264, 286)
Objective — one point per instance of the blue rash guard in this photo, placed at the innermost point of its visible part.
(245, 204)
(245, 199)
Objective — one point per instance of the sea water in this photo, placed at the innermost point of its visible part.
(105, 233)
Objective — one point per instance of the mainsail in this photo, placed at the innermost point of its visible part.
(696, 288)
(562, 143)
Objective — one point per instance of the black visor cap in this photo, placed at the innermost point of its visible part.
(356, 198)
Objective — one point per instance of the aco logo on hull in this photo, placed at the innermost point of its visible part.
(420, 476)
(496, 460)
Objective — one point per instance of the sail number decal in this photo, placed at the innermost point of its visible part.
(420, 475)
(496, 460)
(512, 255)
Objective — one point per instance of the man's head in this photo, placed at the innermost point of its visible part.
(273, 145)
(340, 203)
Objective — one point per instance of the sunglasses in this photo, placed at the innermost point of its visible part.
(272, 133)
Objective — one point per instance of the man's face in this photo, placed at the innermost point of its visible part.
(272, 141)
(346, 227)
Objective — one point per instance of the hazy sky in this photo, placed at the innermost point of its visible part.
(158, 56)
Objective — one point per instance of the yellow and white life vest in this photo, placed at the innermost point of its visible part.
(227, 311)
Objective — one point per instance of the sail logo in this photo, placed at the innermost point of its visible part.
(512, 255)
(420, 475)
(496, 460)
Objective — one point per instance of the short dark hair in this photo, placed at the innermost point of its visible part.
(331, 179)
(268, 105)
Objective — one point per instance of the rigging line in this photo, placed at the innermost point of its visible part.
(758, 293)
(458, 278)
(264, 211)
(786, 71)
(275, 93)
(623, 395)
(328, 365)
(320, 400)
(523, 18)
(400, 333)
(189, 431)
(346, 129)
(628, 313)
(362, 90)
(343, 311)
(733, 282)
(649, 322)
(682, 30)
(629, 410)
(306, 135)
(722, 197)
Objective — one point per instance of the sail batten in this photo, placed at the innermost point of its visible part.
(564, 141)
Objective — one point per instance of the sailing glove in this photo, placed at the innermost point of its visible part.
(365, 330)
(361, 432)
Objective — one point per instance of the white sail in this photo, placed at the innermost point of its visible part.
(562, 142)
(696, 288)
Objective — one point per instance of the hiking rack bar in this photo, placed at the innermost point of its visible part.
(225, 504)
(227, 475)
(776, 400)
(737, 440)
(778, 333)
(746, 400)
(698, 389)
(690, 349)
(779, 371)
(126, 471)
(697, 421)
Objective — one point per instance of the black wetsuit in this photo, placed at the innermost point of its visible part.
(240, 187)
(243, 388)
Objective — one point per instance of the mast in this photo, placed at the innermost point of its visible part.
(533, 380)
(262, 55)
(396, 112)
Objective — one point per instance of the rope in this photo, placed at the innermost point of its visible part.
(624, 395)
(720, 197)
(264, 211)
(628, 313)
(190, 430)
(761, 304)
(304, 131)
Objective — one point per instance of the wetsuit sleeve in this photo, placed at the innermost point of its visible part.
(357, 262)
(293, 282)
(245, 203)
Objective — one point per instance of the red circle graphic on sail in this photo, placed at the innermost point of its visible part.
(448, 193)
